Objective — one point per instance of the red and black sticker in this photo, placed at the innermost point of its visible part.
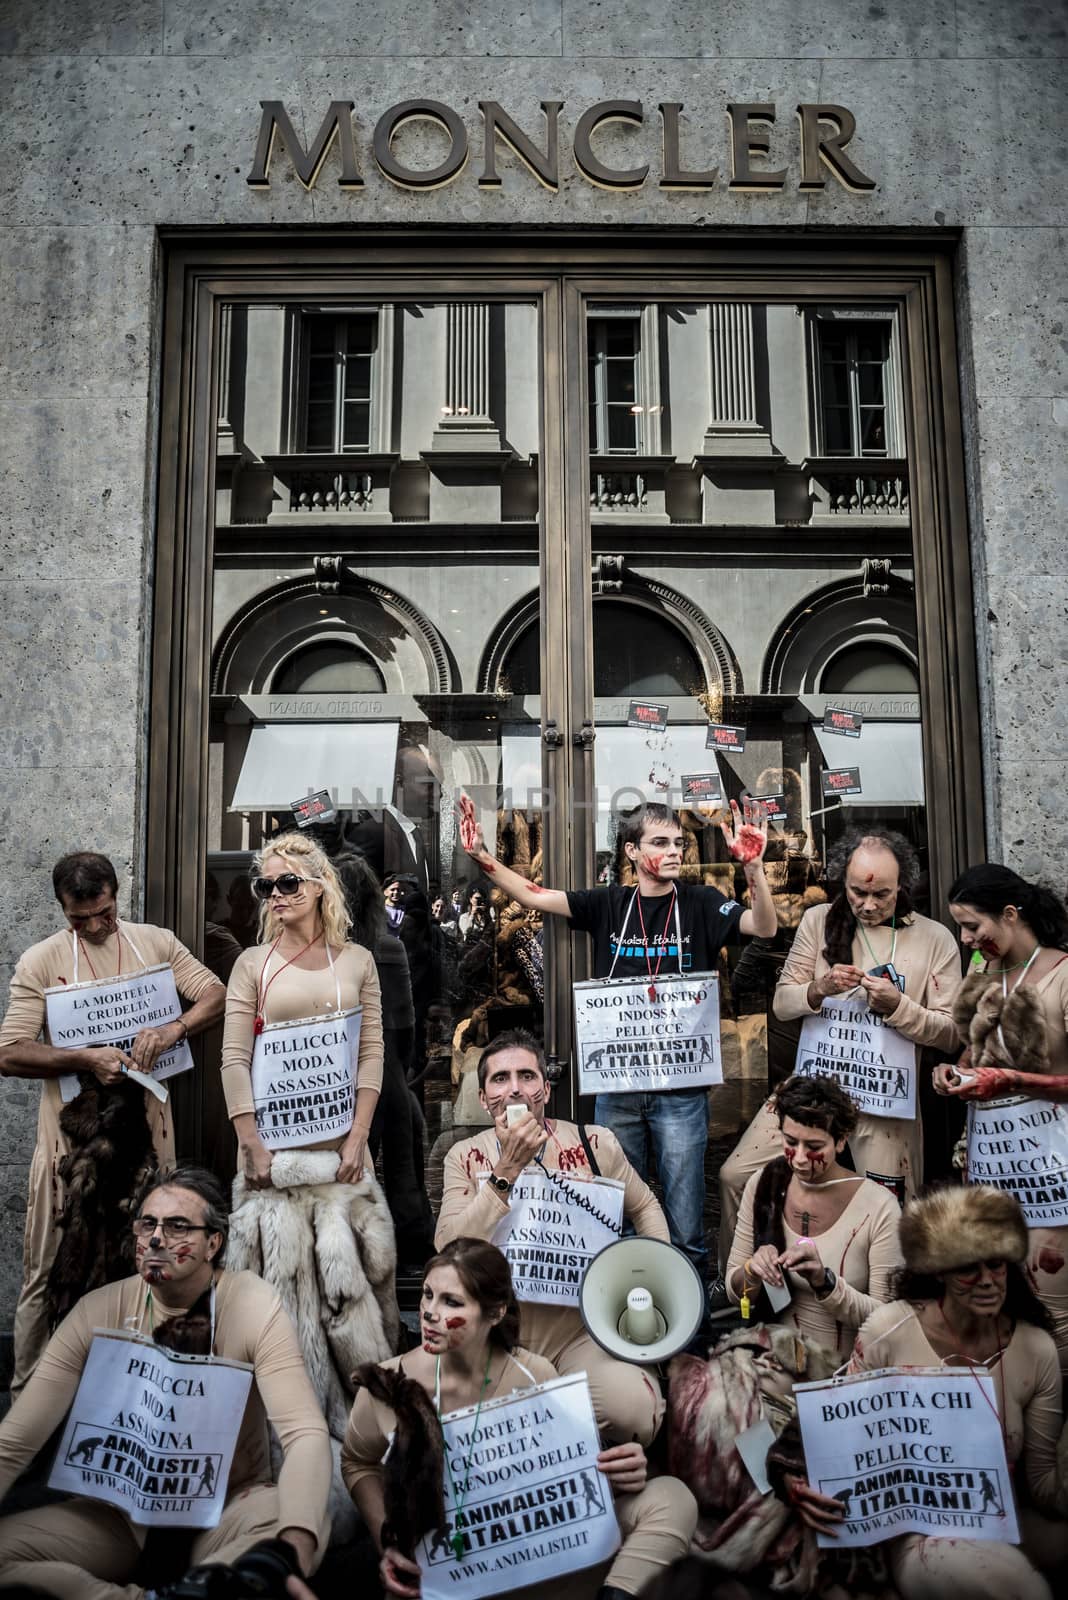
(316, 807)
(649, 714)
(725, 736)
(701, 788)
(774, 806)
(848, 723)
(840, 780)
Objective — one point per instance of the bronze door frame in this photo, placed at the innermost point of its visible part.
(202, 270)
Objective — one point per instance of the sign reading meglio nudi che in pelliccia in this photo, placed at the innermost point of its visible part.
(1021, 1146)
(553, 1228)
(875, 1064)
(113, 1012)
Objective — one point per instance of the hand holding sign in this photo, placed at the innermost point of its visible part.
(820, 1512)
(350, 1168)
(151, 1043)
(747, 832)
(107, 1064)
(399, 1575)
(764, 1264)
(839, 980)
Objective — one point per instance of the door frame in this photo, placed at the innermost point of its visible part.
(203, 269)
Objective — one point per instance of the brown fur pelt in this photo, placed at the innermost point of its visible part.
(978, 1011)
(189, 1334)
(110, 1158)
(413, 1473)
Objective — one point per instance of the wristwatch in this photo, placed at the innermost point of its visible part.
(501, 1185)
(829, 1281)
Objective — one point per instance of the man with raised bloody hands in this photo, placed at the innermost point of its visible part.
(634, 936)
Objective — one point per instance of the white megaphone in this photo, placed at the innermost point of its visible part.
(642, 1300)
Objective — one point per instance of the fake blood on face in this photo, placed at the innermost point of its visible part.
(452, 1323)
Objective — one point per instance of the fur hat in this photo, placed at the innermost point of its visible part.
(952, 1227)
(1000, 1032)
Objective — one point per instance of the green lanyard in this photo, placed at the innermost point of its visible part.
(893, 945)
(458, 1496)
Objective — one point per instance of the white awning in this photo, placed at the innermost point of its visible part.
(355, 761)
(890, 758)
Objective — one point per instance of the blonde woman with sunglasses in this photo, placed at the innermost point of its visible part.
(304, 967)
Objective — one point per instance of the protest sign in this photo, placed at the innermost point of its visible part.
(910, 1451)
(1021, 1145)
(874, 1063)
(554, 1227)
(534, 1506)
(635, 1035)
(153, 1433)
(113, 1012)
(304, 1079)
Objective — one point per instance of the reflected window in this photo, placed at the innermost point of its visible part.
(870, 669)
(635, 654)
(615, 414)
(337, 383)
(853, 370)
(329, 666)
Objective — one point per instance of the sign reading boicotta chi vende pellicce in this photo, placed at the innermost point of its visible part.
(83, 1015)
(875, 1064)
(913, 1451)
(153, 1433)
(304, 1079)
(533, 1504)
(1022, 1146)
(554, 1227)
(631, 1034)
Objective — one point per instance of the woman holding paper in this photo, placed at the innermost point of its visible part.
(393, 1459)
(867, 945)
(963, 1300)
(1012, 1014)
(303, 969)
(816, 1246)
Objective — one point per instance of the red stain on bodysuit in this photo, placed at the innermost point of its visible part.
(1049, 1259)
(571, 1158)
(452, 1323)
(476, 1158)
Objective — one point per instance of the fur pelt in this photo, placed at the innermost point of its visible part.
(952, 1227)
(110, 1157)
(189, 1334)
(328, 1248)
(414, 1470)
(980, 1009)
(748, 1375)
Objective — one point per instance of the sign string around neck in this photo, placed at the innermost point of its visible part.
(265, 982)
(460, 1495)
(893, 944)
(653, 974)
(76, 944)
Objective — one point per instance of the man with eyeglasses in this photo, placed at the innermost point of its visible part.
(96, 944)
(81, 1549)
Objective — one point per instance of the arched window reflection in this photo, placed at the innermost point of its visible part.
(635, 653)
(870, 669)
(329, 666)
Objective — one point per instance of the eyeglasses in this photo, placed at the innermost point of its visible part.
(172, 1228)
(286, 883)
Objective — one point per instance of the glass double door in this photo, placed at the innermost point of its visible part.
(563, 548)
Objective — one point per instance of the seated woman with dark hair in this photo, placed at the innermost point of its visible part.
(470, 1353)
(810, 1227)
(963, 1300)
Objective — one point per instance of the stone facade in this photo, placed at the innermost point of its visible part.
(121, 116)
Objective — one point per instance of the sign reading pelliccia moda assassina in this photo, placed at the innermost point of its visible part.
(822, 135)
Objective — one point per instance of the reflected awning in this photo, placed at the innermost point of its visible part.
(890, 758)
(355, 762)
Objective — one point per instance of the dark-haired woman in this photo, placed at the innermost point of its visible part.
(1013, 1017)
(808, 1225)
(867, 936)
(963, 1300)
(469, 1353)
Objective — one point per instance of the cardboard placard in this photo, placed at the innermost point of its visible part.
(535, 1504)
(702, 788)
(550, 1234)
(113, 1012)
(649, 714)
(840, 780)
(317, 807)
(304, 1079)
(725, 736)
(874, 1064)
(848, 723)
(152, 1432)
(627, 1041)
(1021, 1145)
(912, 1451)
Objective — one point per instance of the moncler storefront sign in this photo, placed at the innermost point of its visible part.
(823, 131)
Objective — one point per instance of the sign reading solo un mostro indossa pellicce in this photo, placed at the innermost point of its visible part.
(823, 132)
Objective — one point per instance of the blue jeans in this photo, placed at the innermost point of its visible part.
(674, 1124)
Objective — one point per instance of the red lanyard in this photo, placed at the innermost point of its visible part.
(655, 973)
(88, 958)
(261, 998)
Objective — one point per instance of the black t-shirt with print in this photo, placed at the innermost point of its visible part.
(706, 918)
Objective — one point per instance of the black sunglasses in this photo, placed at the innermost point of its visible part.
(286, 883)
